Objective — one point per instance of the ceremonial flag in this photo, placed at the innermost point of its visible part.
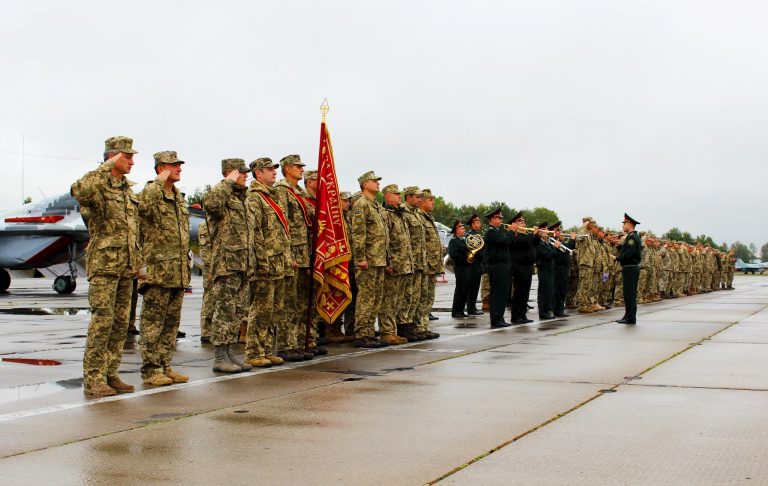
(331, 242)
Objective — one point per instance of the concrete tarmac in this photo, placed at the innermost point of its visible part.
(681, 398)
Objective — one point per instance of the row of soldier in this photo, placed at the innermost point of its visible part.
(256, 245)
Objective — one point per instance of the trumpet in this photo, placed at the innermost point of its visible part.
(562, 248)
(475, 243)
(522, 229)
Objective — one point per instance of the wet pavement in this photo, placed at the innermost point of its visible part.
(681, 398)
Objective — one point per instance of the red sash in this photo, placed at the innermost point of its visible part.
(277, 210)
(303, 205)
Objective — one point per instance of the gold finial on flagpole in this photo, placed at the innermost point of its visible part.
(324, 108)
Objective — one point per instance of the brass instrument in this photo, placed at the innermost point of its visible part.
(522, 229)
(475, 243)
(562, 247)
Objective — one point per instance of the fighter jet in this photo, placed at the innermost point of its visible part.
(49, 232)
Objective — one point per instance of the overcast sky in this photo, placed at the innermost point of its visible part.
(590, 108)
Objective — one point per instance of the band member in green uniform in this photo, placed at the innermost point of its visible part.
(562, 269)
(497, 241)
(457, 249)
(629, 258)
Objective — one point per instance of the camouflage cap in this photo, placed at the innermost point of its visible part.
(427, 193)
(368, 176)
(391, 189)
(291, 160)
(411, 191)
(263, 163)
(123, 144)
(346, 195)
(167, 157)
(237, 164)
(310, 175)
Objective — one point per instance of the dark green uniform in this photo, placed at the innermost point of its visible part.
(562, 275)
(545, 264)
(457, 249)
(629, 258)
(474, 277)
(497, 243)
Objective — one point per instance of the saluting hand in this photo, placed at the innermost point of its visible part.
(163, 175)
(233, 175)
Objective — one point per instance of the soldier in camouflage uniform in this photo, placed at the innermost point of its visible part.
(587, 256)
(318, 327)
(230, 225)
(370, 240)
(399, 268)
(618, 291)
(299, 213)
(335, 334)
(730, 262)
(409, 319)
(434, 256)
(603, 274)
(113, 259)
(645, 263)
(164, 224)
(206, 311)
(271, 244)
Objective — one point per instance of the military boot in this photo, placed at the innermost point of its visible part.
(158, 379)
(233, 359)
(275, 360)
(389, 340)
(221, 361)
(586, 309)
(260, 362)
(176, 377)
(334, 335)
(119, 385)
(99, 390)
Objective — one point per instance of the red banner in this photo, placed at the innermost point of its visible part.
(331, 244)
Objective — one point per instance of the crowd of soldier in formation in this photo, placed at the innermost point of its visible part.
(255, 243)
(580, 271)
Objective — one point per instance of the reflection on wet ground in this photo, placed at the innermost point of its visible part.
(47, 311)
(37, 390)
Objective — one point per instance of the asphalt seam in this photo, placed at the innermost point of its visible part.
(626, 381)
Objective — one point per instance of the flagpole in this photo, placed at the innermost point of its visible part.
(311, 299)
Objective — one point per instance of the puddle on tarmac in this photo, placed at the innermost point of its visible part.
(38, 390)
(47, 311)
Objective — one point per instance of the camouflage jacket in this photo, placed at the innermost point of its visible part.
(418, 238)
(370, 238)
(586, 250)
(204, 244)
(164, 222)
(434, 246)
(271, 242)
(229, 225)
(114, 248)
(399, 251)
(294, 213)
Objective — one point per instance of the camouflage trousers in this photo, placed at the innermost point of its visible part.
(729, 279)
(206, 311)
(264, 316)
(585, 292)
(573, 285)
(485, 287)
(618, 293)
(392, 306)
(110, 301)
(664, 280)
(606, 290)
(642, 284)
(288, 331)
(370, 291)
(695, 285)
(412, 297)
(303, 278)
(678, 283)
(425, 301)
(160, 319)
(229, 295)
